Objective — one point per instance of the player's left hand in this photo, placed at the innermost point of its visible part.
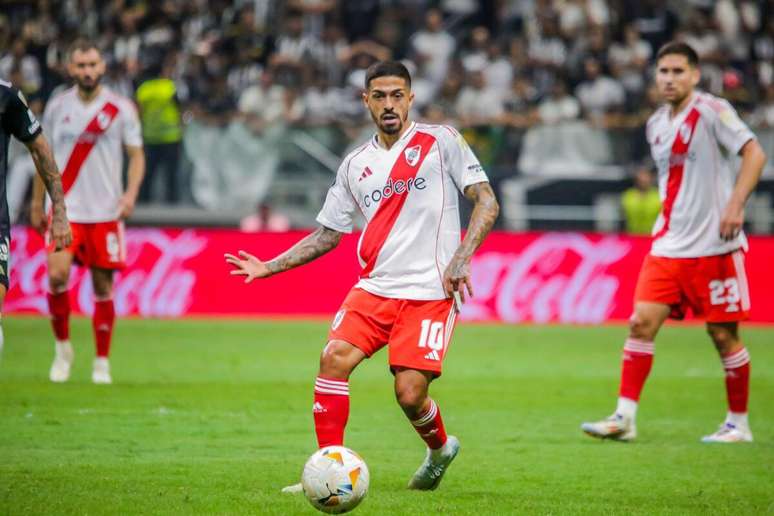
(126, 206)
(732, 220)
(456, 276)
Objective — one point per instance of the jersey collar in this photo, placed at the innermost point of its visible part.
(404, 137)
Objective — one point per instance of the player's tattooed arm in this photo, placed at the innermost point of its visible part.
(307, 249)
(52, 181)
(485, 211)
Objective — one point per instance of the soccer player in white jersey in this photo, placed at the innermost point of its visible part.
(404, 182)
(696, 260)
(90, 128)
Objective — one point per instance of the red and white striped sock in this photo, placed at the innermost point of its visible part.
(429, 426)
(331, 410)
(737, 367)
(637, 361)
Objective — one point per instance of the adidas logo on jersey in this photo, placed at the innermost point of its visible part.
(433, 355)
(367, 172)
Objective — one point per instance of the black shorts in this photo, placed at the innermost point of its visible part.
(5, 251)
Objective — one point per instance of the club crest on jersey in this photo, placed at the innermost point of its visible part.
(685, 132)
(103, 120)
(412, 154)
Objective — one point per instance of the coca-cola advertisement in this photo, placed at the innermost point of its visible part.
(526, 277)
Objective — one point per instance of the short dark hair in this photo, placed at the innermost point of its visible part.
(387, 69)
(679, 48)
(81, 45)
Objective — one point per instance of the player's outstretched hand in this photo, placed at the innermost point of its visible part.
(731, 221)
(248, 266)
(456, 278)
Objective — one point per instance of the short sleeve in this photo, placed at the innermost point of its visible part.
(131, 132)
(339, 209)
(18, 119)
(729, 129)
(459, 161)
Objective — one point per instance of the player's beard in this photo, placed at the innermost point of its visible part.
(389, 129)
(88, 87)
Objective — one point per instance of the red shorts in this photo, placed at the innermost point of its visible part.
(713, 287)
(98, 244)
(418, 332)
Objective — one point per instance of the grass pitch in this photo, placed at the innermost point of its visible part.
(215, 417)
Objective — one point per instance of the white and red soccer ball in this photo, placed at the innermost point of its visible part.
(335, 479)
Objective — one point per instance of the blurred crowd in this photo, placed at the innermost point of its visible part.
(494, 62)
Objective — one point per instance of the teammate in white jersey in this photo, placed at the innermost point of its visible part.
(90, 128)
(404, 182)
(697, 257)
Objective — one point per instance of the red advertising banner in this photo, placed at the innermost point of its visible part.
(524, 277)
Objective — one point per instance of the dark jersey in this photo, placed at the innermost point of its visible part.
(15, 119)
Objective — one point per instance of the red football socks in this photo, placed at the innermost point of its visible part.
(429, 426)
(59, 308)
(737, 366)
(637, 361)
(102, 323)
(331, 410)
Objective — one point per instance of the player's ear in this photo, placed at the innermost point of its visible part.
(365, 97)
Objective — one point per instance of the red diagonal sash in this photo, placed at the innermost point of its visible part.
(85, 143)
(677, 166)
(379, 227)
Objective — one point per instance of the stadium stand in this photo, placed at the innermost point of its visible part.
(552, 94)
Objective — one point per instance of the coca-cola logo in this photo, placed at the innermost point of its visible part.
(156, 283)
(557, 277)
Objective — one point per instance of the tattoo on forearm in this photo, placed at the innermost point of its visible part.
(482, 219)
(49, 173)
(313, 246)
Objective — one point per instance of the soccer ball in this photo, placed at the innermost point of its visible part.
(335, 479)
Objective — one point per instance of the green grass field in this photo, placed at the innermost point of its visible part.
(215, 417)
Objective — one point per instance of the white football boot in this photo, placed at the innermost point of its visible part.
(101, 372)
(616, 427)
(293, 489)
(63, 359)
(430, 473)
(730, 433)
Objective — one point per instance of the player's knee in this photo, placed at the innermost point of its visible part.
(640, 327)
(411, 396)
(57, 279)
(336, 359)
(724, 338)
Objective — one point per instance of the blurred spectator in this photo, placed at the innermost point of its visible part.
(654, 19)
(478, 104)
(264, 219)
(433, 47)
(599, 94)
(763, 115)
(641, 203)
(560, 106)
(162, 131)
(18, 58)
(268, 103)
(629, 59)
